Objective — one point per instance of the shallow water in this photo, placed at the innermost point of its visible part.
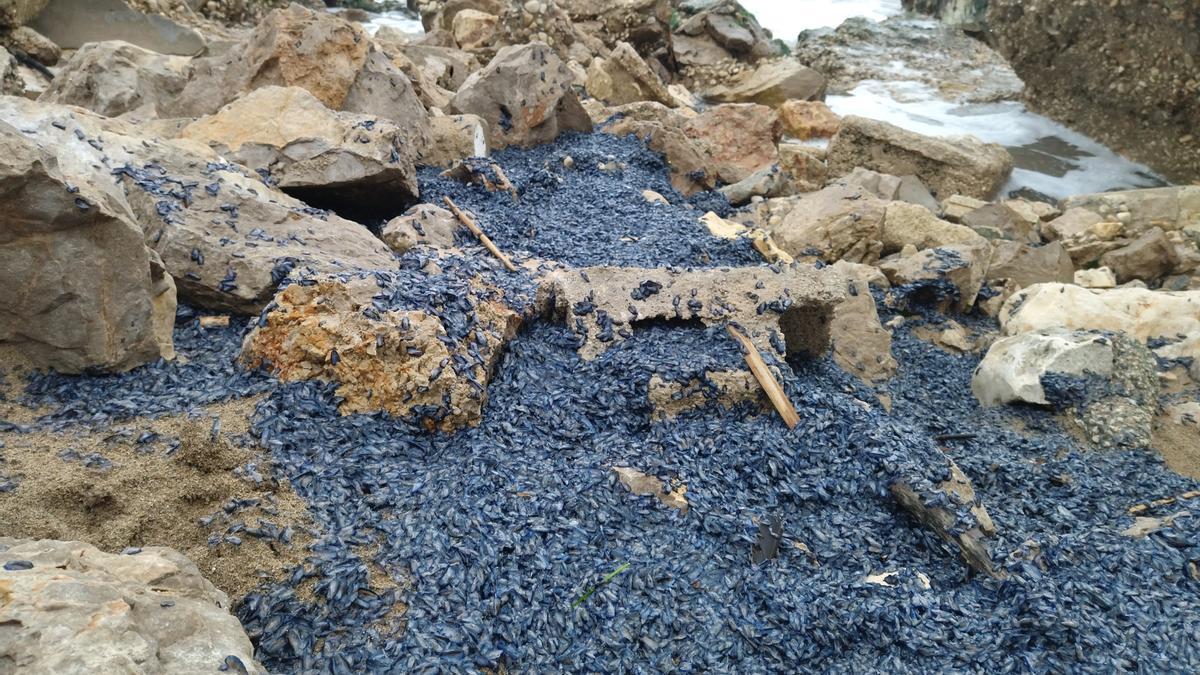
(786, 18)
(1050, 157)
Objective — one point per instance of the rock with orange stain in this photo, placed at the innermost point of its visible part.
(400, 362)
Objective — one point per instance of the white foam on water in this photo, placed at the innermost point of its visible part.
(917, 107)
(786, 18)
(398, 20)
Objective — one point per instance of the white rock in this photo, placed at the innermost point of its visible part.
(1138, 312)
(80, 610)
(1101, 277)
(1013, 368)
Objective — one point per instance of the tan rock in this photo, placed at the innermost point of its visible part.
(391, 361)
(946, 277)
(712, 296)
(806, 120)
(473, 29)
(645, 485)
(1072, 222)
(524, 94)
(906, 224)
(225, 236)
(1028, 265)
(1000, 221)
(1148, 258)
(959, 165)
(771, 84)
(805, 164)
(737, 139)
(861, 346)
(1169, 208)
(292, 47)
(836, 223)
(726, 388)
(295, 47)
(623, 77)
(34, 44)
(332, 159)
(422, 225)
(84, 291)
(118, 78)
(453, 138)
(661, 128)
(955, 207)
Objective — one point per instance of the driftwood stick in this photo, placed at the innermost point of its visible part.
(766, 379)
(483, 238)
(1142, 508)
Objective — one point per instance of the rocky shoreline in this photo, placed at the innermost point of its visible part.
(579, 336)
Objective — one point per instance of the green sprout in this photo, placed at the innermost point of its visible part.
(603, 581)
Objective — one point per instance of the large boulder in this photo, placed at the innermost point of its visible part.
(1121, 71)
(840, 222)
(70, 608)
(738, 139)
(347, 162)
(956, 165)
(525, 95)
(727, 24)
(84, 291)
(1106, 382)
(1003, 221)
(116, 78)
(333, 59)
(225, 236)
(71, 24)
(771, 84)
(860, 344)
(1170, 322)
(623, 77)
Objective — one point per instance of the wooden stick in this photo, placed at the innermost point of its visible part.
(505, 183)
(765, 378)
(487, 243)
(1142, 508)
